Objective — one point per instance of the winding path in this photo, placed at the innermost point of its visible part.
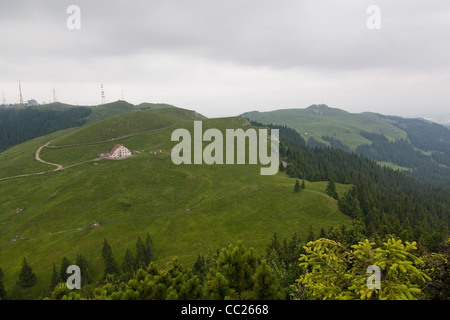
(60, 167)
(37, 157)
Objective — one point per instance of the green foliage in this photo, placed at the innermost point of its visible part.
(2, 288)
(128, 265)
(238, 265)
(62, 292)
(380, 191)
(349, 204)
(19, 125)
(200, 268)
(400, 152)
(331, 190)
(144, 253)
(15, 293)
(155, 200)
(335, 271)
(311, 236)
(55, 280)
(217, 287)
(148, 249)
(83, 264)
(63, 275)
(438, 269)
(141, 259)
(175, 283)
(398, 144)
(236, 273)
(266, 286)
(297, 186)
(283, 260)
(26, 277)
(109, 261)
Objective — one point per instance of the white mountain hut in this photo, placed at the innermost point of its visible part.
(119, 151)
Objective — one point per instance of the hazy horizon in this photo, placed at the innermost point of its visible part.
(224, 58)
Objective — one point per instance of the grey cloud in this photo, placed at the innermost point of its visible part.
(279, 34)
(121, 41)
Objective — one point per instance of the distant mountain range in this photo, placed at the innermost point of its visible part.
(419, 147)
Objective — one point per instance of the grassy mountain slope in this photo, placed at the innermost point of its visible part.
(319, 120)
(49, 216)
(418, 147)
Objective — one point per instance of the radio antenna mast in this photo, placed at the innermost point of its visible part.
(103, 95)
(20, 93)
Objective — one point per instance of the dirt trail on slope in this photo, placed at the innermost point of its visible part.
(37, 157)
(60, 167)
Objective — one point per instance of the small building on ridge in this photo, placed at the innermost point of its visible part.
(119, 151)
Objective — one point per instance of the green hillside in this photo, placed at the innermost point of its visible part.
(417, 147)
(319, 120)
(48, 216)
(99, 112)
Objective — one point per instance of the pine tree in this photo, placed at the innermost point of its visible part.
(274, 245)
(303, 184)
(297, 187)
(217, 287)
(311, 236)
(108, 259)
(237, 264)
(322, 233)
(63, 275)
(148, 249)
(15, 293)
(199, 268)
(26, 277)
(83, 264)
(141, 255)
(55, 278)
(266, 286)
(128, 265)
(331, 190)
(2, 288)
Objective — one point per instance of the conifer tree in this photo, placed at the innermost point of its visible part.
(237, 264)
(2, 288)
(26, 277)
(297, 187)
(55, 278)
(108, 259)
(148, 249)
(266, 286)
(83, 264)
(65, 263)
(322, 233)
(331, 190)
(274, 245)
(303, 184)
(128, 265)
(141, 255)
(199, 268)
(217, 287)
(15, 293)
(311, 236)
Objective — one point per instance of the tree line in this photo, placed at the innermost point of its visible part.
(19, 125)
(384, 200)
(331, 266)
(113, 272)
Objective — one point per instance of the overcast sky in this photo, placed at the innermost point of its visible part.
(226, 57)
